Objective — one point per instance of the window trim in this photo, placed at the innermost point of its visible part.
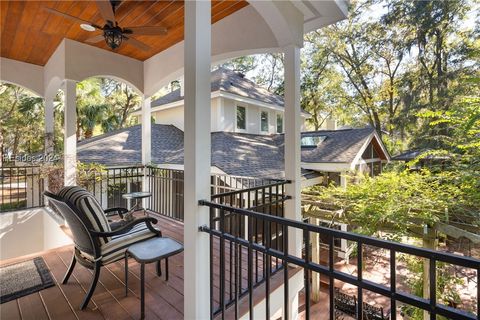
(276, 123)
(237, 129)
(268, 123)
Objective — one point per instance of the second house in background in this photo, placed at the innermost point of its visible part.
(238, 105)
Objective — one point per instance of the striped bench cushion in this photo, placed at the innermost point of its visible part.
(90, 208)
(116, 247)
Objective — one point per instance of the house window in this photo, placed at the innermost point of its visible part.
(264, 121)
(279, 123)
(312, 141)
(241, 118)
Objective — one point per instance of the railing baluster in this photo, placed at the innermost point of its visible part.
(250, 268)
(267, 271)
(331, 278)
(433, 288)
(222, 262)
(360, 279)
(286, 295)
(393, 285)
(306, 238)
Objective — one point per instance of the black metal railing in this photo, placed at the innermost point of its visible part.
(223, 236)
(166, 186)
(241, 269)
(110, 184)
(21, 187)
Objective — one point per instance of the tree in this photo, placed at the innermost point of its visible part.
(21, 114)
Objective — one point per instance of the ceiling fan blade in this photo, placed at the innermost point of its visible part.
(134, 42)
(96, 39)
(65, 15)
(106, 10)
(146, 30)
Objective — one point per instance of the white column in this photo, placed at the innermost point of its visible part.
(49, 125)
(293, 125)
(146, 142)
(197, 158)
(146, 131)
(292, 144)
(70, 133)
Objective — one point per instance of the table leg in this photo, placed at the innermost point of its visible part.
(126, 274)
(159, 269)
(142, 290)
(166, 269)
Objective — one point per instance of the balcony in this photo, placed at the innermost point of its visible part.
(254, 271)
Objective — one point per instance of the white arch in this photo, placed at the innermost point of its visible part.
(23, 74)
(137, 90)
(242, 33)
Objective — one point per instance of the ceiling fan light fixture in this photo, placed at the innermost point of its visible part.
(87, 27)
(113, 38)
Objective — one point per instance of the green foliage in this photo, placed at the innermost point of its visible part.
(21, 116)
(398, 201)
(447, 283)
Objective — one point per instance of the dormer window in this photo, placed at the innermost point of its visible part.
(279, 123)
(264, 121)
(312, 141)
(241, 118)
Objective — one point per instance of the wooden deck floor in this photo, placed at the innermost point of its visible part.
(163, 300)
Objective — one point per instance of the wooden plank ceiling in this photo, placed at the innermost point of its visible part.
(31, 34)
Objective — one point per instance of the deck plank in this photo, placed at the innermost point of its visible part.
(31, 307)
(73, 291)
(107, 304)
(57, 306)
(9, 310)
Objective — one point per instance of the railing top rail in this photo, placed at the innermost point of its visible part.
(124, 167)
(467, 262)
(263, 186)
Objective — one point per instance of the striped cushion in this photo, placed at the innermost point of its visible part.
(89, 207)
(116, 247)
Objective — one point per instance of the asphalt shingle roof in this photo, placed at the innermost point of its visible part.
(227, 80)
(234, 153)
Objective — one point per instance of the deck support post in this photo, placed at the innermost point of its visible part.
(293, 124)
(70, 133)
(197, 55)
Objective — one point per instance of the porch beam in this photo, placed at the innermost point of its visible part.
(197, 143)
(70, 133)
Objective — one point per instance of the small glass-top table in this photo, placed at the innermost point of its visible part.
(137, 196)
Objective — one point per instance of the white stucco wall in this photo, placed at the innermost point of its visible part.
(175, 116)
(223, 116)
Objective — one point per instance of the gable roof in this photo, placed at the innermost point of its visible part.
(239, 154)
(226, 80)
(339, 146)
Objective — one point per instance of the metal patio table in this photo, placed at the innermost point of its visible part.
(152, 250)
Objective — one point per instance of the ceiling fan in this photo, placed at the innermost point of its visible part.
(113, 34)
